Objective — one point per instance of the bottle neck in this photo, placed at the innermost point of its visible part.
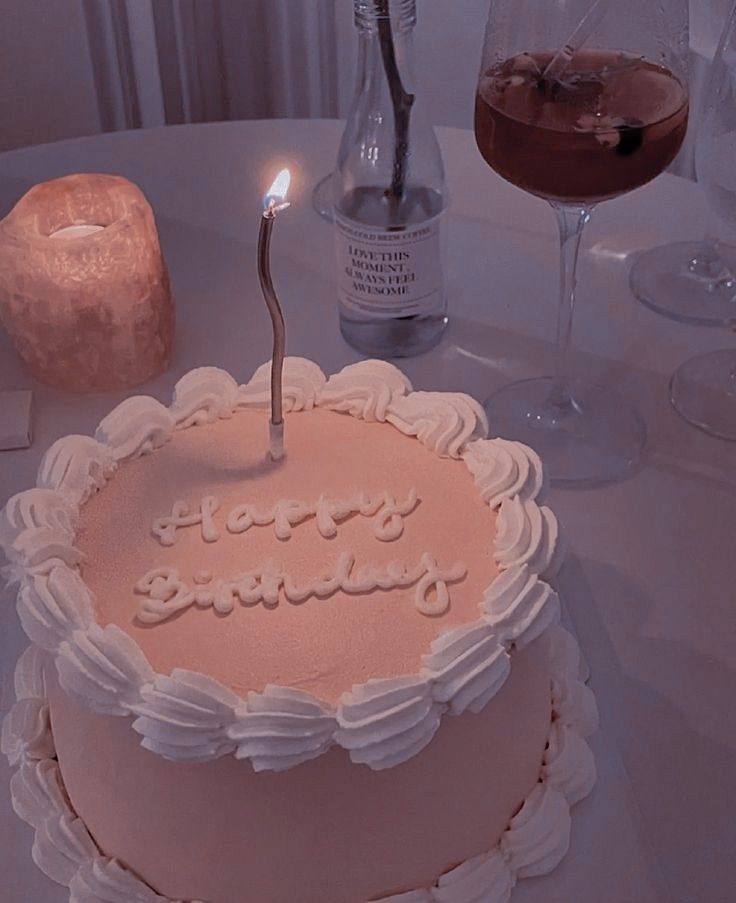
(370, 15)
(385, 56)
(388, 148)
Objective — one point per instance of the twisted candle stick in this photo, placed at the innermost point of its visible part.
(274, 201)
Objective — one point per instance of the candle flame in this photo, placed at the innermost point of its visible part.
(275, 198)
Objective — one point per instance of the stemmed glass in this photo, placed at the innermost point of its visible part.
(703, 390)
(690, 281)
(600, 118)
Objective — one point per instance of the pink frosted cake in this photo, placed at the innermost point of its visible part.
(335, 678)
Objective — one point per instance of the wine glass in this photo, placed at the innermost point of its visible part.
(600, 117)
(703, 390)
(690, 281)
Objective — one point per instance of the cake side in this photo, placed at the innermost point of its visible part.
(532, 843)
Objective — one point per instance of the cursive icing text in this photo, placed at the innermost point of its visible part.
(387, 513)
(166, 593)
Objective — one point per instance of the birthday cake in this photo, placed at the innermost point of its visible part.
(339, 677)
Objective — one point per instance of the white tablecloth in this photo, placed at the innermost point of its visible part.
(648, 584)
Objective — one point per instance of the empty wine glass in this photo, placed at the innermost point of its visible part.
(703, 390)
(601, 118)
(690, 281)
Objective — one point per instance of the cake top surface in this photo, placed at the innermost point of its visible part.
(380, 575)
(320, 644)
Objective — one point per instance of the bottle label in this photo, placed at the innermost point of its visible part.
(390, 274)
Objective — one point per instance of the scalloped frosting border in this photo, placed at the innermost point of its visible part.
(191, 716)
(534, 843)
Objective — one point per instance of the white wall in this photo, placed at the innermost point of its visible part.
(449, 39)
(47, 89)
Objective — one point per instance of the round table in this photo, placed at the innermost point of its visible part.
(647, 584)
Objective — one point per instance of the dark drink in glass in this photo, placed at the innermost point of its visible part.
(612, 122)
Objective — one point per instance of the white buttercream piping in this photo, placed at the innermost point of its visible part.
(52, 606)
(62, 843)
(528, 535)
(443, 421)
(538, 836)
(484, 878)
(104, 880)
(467, 667)
(519, 606)
(569, 766)
(30, 673)
(281, 727)
(365, 390)
(26, 730)
(76, 467)
(573, 703)
(202, 396)
(186, 716)
(37, 509)
(36, 551)
(38, 526)
(302, 383)
(36, 789)
(385, 722)
(106, 670)
(503, 469)
(137, 426)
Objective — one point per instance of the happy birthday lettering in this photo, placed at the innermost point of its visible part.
(387, 514)
(166, 594)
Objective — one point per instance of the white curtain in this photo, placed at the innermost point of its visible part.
(172, 61)
(162, 62)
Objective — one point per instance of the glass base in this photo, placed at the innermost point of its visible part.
(597, 438)
(684, 282)
(398, 337)
(322, 198)
(703, 391)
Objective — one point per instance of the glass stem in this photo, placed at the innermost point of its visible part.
(571, 221)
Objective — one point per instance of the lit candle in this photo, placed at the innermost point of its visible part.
(84, 289)
(273, 202)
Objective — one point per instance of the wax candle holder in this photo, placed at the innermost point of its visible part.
(84, 289)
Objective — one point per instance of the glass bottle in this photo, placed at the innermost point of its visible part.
(389, 197)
